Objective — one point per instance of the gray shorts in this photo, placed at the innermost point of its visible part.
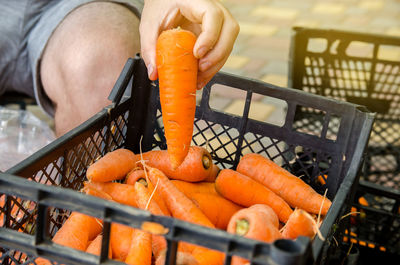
(25, 28)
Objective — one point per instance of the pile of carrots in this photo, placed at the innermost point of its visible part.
(258, 200)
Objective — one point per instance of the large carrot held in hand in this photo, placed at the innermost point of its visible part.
(177, 75)
(292, 189)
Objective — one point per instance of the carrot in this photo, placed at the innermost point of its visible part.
(120, 235)
(95, 246)
(182, 258)
(189, 188)
(218, 209)
(206, 256)
(292, 189)
(245, 191)
(136, 174)
(157, 198)
(213, 174)
(196, 166)
(119, 192)
(177, 74)
(269, 213)
(120, 240)
(180, 206)
(140, 248)
(300, 223)
(77, 231)
(114, 165)
(256, 223)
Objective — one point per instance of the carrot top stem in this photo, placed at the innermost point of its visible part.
(242, 227)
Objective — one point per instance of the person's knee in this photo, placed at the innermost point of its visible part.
(87, 52)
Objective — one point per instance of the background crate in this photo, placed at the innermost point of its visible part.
(363, 69)
(39, 210)
(359, 68)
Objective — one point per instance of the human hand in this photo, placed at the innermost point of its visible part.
(208, 19)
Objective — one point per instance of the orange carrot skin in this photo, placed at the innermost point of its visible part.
(134, 175)
(140, 248)
(245, 191)
(196, 166)
(77, 231)
(291, 188)
(177, 74)
(95, 247)
(120, 240)
(260, 226)
(113, 166)
(157, 198)
(189, 188)
(180, 206)
(300, 223)
(213, 174)
(119, 192)
(218, 209)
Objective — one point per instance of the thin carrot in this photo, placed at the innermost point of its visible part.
(119, 192)
(245, 191)
(136, 174)
(196, 166)
(95, 246)
(218, 209)
(180, 206)
(292, 189)
(177, 74)
(157, 198)
(140, 248)
(113, 166)
(300, 223)
(189, 188)
(213, 174)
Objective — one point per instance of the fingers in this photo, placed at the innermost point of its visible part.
(213, 61)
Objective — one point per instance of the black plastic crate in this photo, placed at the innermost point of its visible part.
(37, 210)
(355, 67)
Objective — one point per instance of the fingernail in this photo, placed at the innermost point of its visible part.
(149, 70)
(204, 66)
(201, 52)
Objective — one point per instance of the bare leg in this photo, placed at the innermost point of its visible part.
(83, 59)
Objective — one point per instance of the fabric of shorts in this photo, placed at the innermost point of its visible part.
(25, 28)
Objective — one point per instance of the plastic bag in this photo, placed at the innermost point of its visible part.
(21, 134)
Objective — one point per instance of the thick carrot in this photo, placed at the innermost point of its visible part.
(292, 189)
(189, 188)
(114, 165)
(245, 191)
(182, 258)
(300, 223)
(213, 174)
(119, 192)
(77, 231)
(218, 209)
(177, 74)
(269, 213)
(95, 246)
(120, 240)
(206, 256)
(196, 166)
(180, 206)
(140, 248)
(255, 223)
